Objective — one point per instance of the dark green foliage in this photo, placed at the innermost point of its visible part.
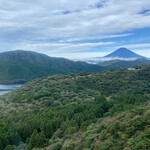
(61, 90)
(105, 111)
(8, 135)
(37, 139)
(126, 102)
(39, 126)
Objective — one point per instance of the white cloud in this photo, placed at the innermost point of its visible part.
(96, 60)
(37, 16)
(143, 52)
(60, 47)
(25, 21)
(137, 45)
(84, 56)
(98, 37)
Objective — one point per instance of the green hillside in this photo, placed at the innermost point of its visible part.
(85, 111)
(22, 66)
(117, 64)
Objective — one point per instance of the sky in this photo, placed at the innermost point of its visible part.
(75, 29)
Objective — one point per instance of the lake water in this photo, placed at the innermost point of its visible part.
(5, 88)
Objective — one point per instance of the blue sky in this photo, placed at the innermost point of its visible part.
(75, 29)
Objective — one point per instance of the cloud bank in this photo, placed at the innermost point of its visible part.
(66, 26)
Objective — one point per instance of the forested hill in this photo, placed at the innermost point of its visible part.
(104, 111)
(57, 87)
(22, 66)
(117, 64)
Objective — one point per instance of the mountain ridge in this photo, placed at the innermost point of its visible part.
(118, 64)
(21, 66)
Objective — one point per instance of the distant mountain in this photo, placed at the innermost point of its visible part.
(22, 66)
(123, 53)
(119, 54)
(117, 64)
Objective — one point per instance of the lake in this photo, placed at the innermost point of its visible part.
(5, 88)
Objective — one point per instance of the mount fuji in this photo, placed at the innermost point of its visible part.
(123, 53)
(120, 54)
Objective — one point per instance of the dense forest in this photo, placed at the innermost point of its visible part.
(86, 111)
